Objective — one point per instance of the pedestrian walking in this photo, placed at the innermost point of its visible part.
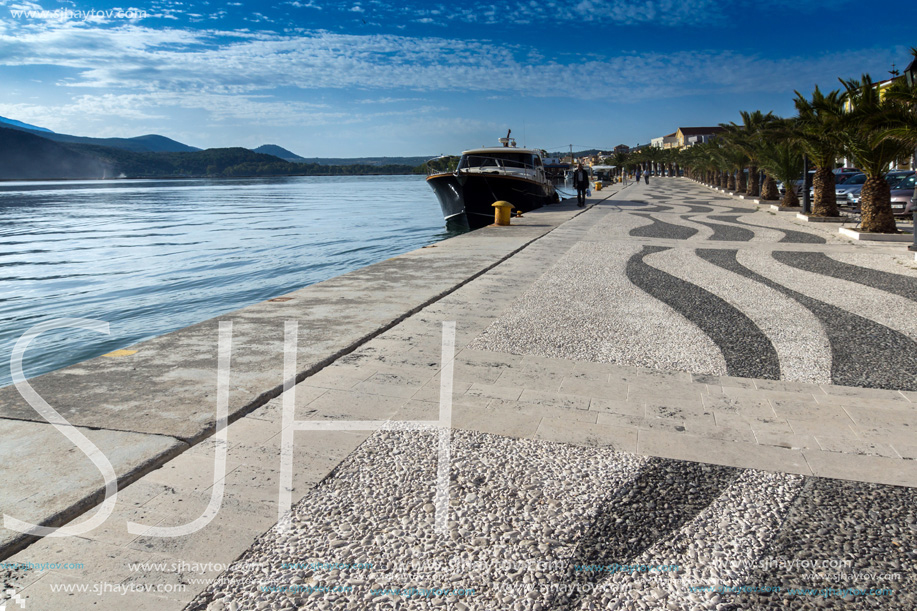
(580, 183)
(646, 177)
(637, 175)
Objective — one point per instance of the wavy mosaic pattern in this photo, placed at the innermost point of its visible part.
(554, 526)
(747, 350)
(729, 274)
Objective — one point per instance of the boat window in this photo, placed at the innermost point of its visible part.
(478, 161)
(503, 160)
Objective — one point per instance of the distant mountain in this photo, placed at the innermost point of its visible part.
(150, 143)
(19, 124)
(278, 151)
(374, 161)
(25, 156)
(586, 153)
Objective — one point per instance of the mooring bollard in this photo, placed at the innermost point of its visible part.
(502, 212)
(598, 185)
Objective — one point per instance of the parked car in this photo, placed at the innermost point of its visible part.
(841, 178)
(903, 194)
(893, 178)
(853, 183)
(781, 188)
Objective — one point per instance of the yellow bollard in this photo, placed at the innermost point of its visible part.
(598, 185)
(502, 212)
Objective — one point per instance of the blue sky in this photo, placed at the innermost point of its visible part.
(371, 77)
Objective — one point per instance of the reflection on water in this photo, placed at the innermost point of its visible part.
(153, 256)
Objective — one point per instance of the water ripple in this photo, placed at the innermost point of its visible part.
(153, 256)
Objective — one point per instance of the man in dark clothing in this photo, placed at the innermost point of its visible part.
(580, 183)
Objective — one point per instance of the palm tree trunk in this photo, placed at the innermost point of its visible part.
(742, 183)
(875, 206)
(731, 182)
(753, 183)
(790, 199)
(825, 201)
(770, 188)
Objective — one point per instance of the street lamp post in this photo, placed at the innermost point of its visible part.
(806, 202)
(910, 74)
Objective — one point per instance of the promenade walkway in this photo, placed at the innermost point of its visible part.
(670, 378)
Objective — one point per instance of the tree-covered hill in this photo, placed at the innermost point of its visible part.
(29, 156)
(25, 156)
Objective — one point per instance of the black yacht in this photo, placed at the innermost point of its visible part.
(487, 175)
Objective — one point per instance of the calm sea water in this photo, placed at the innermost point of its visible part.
(149, 257)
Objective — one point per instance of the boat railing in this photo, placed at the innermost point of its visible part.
(444, 164)
(501, 166)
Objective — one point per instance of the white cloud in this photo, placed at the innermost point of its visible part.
(258, 76)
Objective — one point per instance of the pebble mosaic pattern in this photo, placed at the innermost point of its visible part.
(861, 309)
(748, 351)
(820, 263)
(535, 525)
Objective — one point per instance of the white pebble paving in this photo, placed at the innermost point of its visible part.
(887, 309)
(586, 308)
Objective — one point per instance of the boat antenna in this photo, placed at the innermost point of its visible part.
(508, 132)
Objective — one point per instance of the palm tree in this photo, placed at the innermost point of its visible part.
(769, 190)
(700, 158)
(619, 160)
(675, 161)
(771, 133)
(651, 157)
(781, 158)
(665, 161)
(748, 137)
(866, 133)
(906, 94)
(733, 159)
(738, 143)
(818, 135)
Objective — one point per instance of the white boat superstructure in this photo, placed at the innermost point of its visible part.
(516, 162)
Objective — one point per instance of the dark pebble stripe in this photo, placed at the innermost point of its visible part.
(656, 208)
(725, 233)
(698, 209)
(731, 209)
(661, 229)
(863, 352)
(820, 263)
(796, 237)
(690, 488)
(747, 350)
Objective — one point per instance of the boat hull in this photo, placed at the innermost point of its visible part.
(467, 199)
